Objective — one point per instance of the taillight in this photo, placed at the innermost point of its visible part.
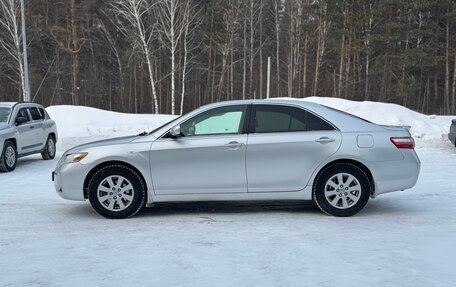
(403, 142)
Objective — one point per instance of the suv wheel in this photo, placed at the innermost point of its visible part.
(8, 159)
(49, 149)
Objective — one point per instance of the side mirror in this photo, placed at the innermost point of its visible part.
(21, 121)
(175, 131)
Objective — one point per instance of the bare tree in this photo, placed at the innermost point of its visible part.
(225, 43)
(131, 22)
(176, 17)
(277, 34)
(191, 21)
(10, 40)
(322, 30)
(172, 28)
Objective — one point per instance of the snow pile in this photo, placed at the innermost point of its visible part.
(78, 124)
(428, 131)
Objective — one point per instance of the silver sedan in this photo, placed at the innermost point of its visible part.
(244, 150)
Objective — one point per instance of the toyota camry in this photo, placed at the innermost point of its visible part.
(244, 150)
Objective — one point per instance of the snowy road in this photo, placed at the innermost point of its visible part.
(400, 239)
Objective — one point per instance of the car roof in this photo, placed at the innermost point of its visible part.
(7, 104)
(343, 121)
(20, 104)
(289, 101)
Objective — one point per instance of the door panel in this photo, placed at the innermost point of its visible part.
(208, 157)
(285, 146)
(286, 161)
(206, 164)
(26, 138)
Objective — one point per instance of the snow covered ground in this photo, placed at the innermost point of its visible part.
(400, 239)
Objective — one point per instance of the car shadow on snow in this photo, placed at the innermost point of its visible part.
(30, 160)
(173, 208)
(383, 208)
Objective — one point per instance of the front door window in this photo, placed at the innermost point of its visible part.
(218, 121)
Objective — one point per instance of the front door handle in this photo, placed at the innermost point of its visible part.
(234, 145)
(32, 127)
(325, 140)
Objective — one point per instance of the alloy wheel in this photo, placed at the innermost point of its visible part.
(115, 193)
(342, 190)
(10, 156)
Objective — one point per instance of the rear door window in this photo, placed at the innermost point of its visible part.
(35, 113)
(274, 119)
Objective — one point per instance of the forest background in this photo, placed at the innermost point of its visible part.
(170, 56)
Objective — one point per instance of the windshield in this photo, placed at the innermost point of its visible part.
(151, 132)
(4, 114)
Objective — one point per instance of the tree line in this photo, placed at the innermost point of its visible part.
(170, 56)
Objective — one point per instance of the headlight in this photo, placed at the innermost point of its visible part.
(74, 157)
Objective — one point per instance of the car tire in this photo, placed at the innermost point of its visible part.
(342, 190)
(116, 191)
(49, 149)
(8, 159)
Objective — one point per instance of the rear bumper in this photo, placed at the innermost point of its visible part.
(396, 175)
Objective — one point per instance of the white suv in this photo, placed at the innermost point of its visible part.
(25, 128)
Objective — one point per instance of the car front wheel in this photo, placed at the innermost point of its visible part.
(8, 159)
(342, 190)
(116, 191)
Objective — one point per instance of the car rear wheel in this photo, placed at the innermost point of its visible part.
(116, 191)
(49, 149)
(8, 159)
(342, 190)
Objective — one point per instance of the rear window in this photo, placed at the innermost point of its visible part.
(347, 114)
(43, 113)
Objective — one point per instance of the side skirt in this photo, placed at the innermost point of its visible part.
(304, 194)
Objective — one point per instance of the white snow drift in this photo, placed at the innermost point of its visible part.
(428, 131)
(77, 124)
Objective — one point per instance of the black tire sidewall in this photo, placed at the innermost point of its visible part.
(325, 175)
(3, 158)
(139, 191)
(46, 154)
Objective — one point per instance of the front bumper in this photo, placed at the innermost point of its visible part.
(69, 180)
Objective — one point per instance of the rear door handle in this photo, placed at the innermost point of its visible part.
(234, 145)
(32, 127)
(324, 140)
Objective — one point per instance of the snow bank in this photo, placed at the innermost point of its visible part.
(78, 124)
(428, 131)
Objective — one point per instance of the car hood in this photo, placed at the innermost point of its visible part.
(107, 142)
(3, 126)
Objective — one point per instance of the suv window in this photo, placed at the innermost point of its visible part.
(224, 120)
(4, 114)
(22, 113)
(274, 119)
(35, 114)
(42, 112)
